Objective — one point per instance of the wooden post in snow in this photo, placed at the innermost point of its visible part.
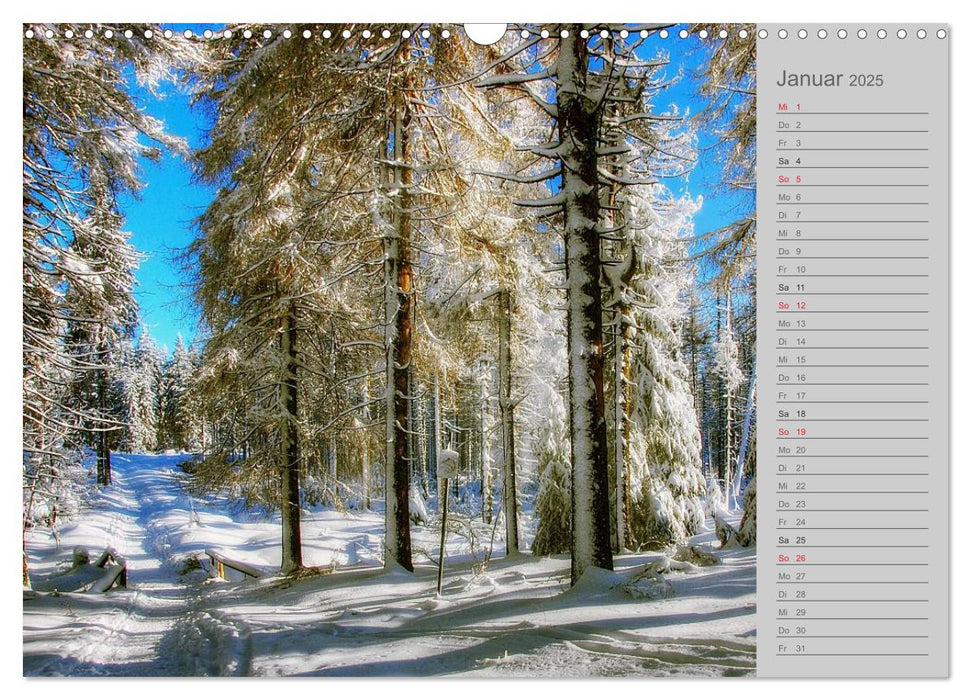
(506, 406)
(448, 468)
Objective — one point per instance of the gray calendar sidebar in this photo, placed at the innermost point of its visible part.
(853, 334)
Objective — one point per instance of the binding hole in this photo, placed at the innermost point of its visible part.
(487, 34)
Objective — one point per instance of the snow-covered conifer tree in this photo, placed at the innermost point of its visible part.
(83, 135)
(588, 74)
(664, 446)
(179, 422)
(551, 445)
(141, 381)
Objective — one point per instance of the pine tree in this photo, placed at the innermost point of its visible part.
(179, 421)
(329, 204)
(552, 449)
(255, 287)
(728, 81)
(666, 483)
(83, 135)
(748, 527)
(590, 74)
(141, 396)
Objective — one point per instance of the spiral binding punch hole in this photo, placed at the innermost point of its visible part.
(485, 34)
(861, 33)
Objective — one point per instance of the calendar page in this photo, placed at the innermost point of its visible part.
(430, 349)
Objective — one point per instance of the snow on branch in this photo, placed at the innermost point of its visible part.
(647, 116)
(507, 79)
(623, 179)
(524, 179)
(555, 201)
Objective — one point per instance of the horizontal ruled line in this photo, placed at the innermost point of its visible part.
(853, 600)
(802, 474)
(851, 420)
(854, 311)
(852, 167)
(852, 131)
(841, 185)
(791, 366)
(799, 113)
(852, 275)
(856, 528)
(852, 384)
(836, 402)
(850, 204)
(854, 618)
(853, 437)
(851, 240)
(848, 330)
(852, 257)
(852, 546)
(851, 221)
(851, 636)
(824, 583)
(868, 493)
(780, 150)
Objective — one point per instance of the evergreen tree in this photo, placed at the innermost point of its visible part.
(179, 421)
(590, 74)
(552, 449)
(83, 135)
(728, 80)
(365, 190)
(664, 451)
(141, 396)
(748, 527)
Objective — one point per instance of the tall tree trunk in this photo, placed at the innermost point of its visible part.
(625, 264)
(399, 306)
(27, 513)
(621, 472)
(508, 424)
(715, 448)
(420, 436)
(366, 445)
(743, 442)
(416, 468)
(485, 462)
(578, 127)
(435, 441)
(332, 432)
(102, 445)
(729, 406)
(290, 496)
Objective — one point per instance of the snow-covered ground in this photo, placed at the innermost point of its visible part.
(517, 617)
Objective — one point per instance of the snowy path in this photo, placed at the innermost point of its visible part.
(123, 632)
(517, 618)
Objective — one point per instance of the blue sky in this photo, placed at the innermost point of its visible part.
(160, 219)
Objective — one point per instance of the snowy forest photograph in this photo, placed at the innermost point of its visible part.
(370, 350)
